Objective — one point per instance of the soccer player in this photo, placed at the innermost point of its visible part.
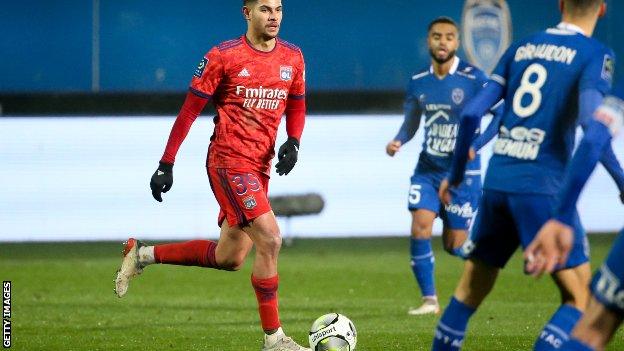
(547, 80)
(440, 92)
(552, 244)
(252, 81)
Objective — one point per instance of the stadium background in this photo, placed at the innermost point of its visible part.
(89, 90)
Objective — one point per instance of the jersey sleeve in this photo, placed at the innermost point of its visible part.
(598, 74)
(208, 74)
(298, 89)
(501, 72)
(412, 113)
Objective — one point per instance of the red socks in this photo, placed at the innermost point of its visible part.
(266, 293)
(199, 253)
(202, 253)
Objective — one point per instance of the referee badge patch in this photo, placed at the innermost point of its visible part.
(200, 68)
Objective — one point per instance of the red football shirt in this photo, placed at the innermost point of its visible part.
(249, 89)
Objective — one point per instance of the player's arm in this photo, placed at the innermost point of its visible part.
(492, 129)
(411, 123)
(589, 100)
(469, 122)
(295, 121)
(554, 241)
(492, 93)
(205, 80)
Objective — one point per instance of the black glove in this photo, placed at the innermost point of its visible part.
(287, 156)
(162, 180)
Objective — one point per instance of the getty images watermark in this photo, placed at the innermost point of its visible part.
(6, 314)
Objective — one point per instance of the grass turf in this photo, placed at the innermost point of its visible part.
(62, 299)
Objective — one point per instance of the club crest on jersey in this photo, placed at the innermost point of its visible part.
(458, 96)
(286, 73)
(201, 67)
(487, 31)
(608, 68)
(250, 202)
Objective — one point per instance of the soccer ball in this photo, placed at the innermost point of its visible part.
(333, 332)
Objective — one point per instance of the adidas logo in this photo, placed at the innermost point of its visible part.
(244, 73)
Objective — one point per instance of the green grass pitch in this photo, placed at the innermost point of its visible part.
(63, 299)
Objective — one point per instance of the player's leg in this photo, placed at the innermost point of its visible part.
(595, 329)
(475, 284)
(423, 204)
(606, 308)
(458, 215)
(228, 254)
(573, 287)
(233, 247)
(453, 239)
(495, 239)
(531, 211)
(265, 234)
(247, 207)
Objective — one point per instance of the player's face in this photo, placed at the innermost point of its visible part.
(264, 17)
(443, 42)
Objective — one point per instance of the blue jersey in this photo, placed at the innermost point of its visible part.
(542, 77)
(441, 102)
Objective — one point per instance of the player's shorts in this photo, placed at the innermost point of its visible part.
(423, 194)
(506, 220)
(607, 284)
(241, 194)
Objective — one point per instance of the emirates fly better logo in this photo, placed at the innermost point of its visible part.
(261, 97)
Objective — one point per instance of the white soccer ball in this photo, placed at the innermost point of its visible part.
(333, 332)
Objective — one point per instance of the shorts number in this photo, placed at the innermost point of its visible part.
(244, 180)
(531, 88)
(414, 194)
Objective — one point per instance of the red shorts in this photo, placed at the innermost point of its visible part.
(241, 194)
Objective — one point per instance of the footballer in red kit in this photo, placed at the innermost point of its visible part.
(252, 81)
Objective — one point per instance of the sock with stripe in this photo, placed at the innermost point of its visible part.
(558, 329)
(450, 331)
(422, 265)
(266, 294)
(199, 253)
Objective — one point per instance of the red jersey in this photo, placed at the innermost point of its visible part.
(249, 89)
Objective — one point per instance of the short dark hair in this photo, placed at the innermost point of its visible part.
(580, 6)
(247, 2)
(442, 19)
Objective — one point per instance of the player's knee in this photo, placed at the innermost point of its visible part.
(270, 243)
(421, 230)
(453, 240)
(232, 263)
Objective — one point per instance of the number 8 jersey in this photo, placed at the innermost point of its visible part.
(543, 76)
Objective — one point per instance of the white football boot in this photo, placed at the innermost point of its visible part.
(130, 266)
(280, 342)
(429, 306)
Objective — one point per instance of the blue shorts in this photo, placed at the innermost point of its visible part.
(423, 194)
(607, 284)
(506, 220)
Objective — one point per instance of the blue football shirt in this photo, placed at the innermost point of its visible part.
(543, 76)
(441, 102)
